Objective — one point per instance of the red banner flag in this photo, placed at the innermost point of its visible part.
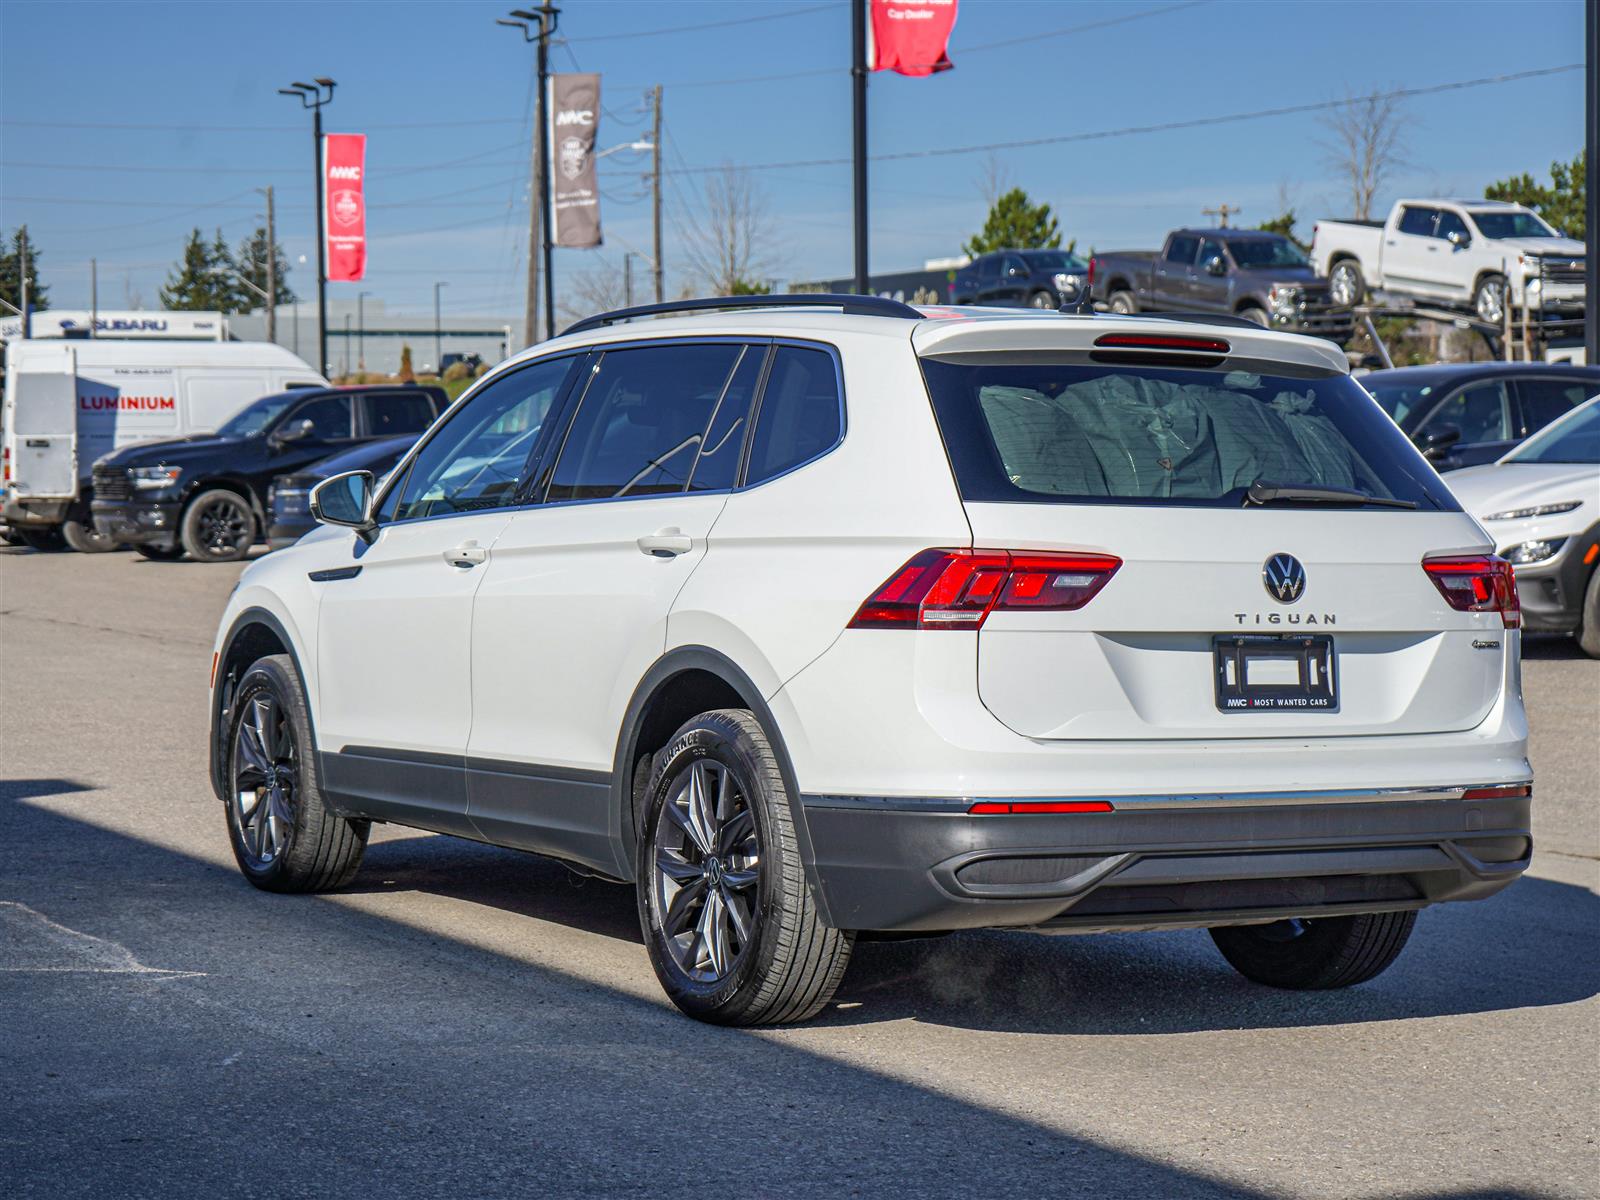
(910, 37)
(344, 158)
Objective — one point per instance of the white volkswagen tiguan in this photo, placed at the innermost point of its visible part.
(821, 617)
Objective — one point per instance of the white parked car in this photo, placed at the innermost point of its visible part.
(818, 617)
(1463, 253)
(1541, 503)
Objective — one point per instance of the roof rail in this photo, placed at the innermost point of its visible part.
(860, 306)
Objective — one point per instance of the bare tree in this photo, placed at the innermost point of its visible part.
(727, 240)
(1367, 144)
(995, 180)
(583, 293)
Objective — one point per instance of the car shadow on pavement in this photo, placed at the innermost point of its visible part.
(388, 1057)
(1530, 945)
(1551, 645)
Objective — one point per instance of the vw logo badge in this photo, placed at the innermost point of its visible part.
(1284, 578)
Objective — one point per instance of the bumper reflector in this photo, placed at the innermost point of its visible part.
(1018, 807)
(1505, 791)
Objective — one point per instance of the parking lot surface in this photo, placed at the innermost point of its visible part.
(472, 1021)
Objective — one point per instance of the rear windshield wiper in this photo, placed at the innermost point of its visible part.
(1261, 492)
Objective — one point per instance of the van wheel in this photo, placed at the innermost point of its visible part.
(159, 553)
(85, 538)
(283, 836)
(1589, 619)
(1124, 303)
(218, 527)
(1315, 953)
(728, 920)
(1345, 284)
(46, 539)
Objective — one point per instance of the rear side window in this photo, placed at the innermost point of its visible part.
(1418, 221)
(641, 421)
(1182, 249)
(1543, 400)
(1089, 434)
(717, 468)
(392, 413)
(799, 416)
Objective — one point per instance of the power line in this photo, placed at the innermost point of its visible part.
(1160, 127)
(639, 33)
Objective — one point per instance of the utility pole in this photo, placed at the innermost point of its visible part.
(655, 195)
(1591, 269)
(27, 315)
(272, 269)
(346, 355)
(627, 279)
(361, 330)
(94, 296)
(858, 83)
(545, 17)
(438, 342)
(312, 96)
(1222, 212)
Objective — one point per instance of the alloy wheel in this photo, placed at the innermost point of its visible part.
(1342, 286)
(1491, 303)
(223, 526)
(266, 774)
(707, 864)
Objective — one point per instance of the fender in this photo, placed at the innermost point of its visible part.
(701, 658)
(248, 616)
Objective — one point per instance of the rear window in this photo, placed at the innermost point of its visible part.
(1079, 433)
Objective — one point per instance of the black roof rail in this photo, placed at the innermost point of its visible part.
(859, 306)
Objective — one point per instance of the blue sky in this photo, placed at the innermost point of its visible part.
(444, 95)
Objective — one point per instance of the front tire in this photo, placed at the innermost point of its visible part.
(1589, 619)
(1489, 299)
(83, 537)
(218, 527)
(1316, 953)
(158, 553)
(727, 917)
(284, 837)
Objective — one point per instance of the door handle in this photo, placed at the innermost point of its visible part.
(666, 543)
(469, 554)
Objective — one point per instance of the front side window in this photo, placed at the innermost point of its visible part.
(1039, 432)
(1479, 411)
(255, 417)
(641, 421)
(799, 416)
(1210, 249)
(392, 413)
(482, 455)
(329, 417)
(1418, 221)
(1450, 223)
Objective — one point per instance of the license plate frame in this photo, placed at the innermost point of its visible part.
(1311, 656)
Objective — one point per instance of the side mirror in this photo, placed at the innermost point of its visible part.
(294, 431)
(1215, 265)
(1014, 272)
(1459, 238)
(345, 500)
(1435, 442)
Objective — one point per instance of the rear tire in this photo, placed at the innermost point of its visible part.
(83, 537)
(1044, 300)
(284, 837)
(1123, 303)
(1316, 953)
(1589, 619)
(159, 553)
(727, 916)
(218, 527)
(1346, 286)
(46, 539)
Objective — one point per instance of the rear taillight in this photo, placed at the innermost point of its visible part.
(958, 589)
(5, 465)
(1477, 583)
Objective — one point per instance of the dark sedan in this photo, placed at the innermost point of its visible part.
(1462, 414)
(1022, 279)
(289, 497)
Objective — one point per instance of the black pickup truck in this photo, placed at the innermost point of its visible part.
(1262, 277)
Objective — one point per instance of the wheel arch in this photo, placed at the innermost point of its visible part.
(255, 634)
(685, 681)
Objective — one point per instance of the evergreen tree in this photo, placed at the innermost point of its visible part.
(1561, 204)
(11, 255)
(1016, 224)
(203, 279)
(1284, 224)
(252, 263)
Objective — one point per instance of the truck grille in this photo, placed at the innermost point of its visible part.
(1318, 313)
(111, 483)
(1562, 270)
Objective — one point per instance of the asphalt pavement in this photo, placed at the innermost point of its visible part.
(471, 1021)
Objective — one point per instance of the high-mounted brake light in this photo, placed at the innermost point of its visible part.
(958, 589)
(1019, 807)
(1161, 341)
(1477, 583)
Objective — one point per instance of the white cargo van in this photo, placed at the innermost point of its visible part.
(69, 402)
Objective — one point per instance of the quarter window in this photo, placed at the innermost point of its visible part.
(482, 456)
(641, 421)
(799, 414)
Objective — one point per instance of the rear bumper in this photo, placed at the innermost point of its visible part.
(1158, 862)
(23, 514)
(138, 522)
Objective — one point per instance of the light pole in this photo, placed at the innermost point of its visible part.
(546, 17)
(361, 330)
(438, 345)
(313, 96)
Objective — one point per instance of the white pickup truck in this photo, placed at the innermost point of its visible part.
(1461, 253)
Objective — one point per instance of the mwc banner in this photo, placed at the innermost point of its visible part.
(910, 37)
(343, 167)
(574, 108)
